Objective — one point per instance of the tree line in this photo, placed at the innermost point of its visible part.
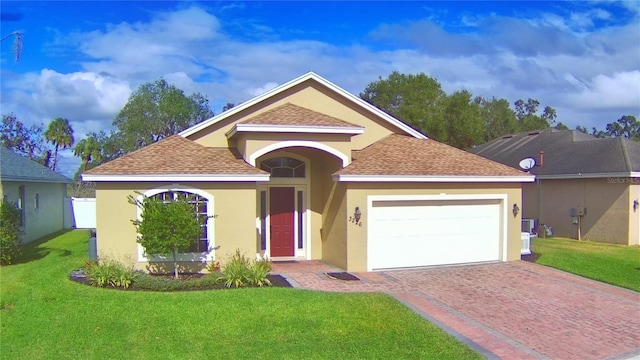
(158, 109)
(462, 120)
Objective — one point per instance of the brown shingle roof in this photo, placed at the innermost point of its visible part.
(177, 155)
(294, 115)
(399, 155)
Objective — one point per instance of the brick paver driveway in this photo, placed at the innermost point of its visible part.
(514, 310)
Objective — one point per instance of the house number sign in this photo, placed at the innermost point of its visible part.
(357, 214)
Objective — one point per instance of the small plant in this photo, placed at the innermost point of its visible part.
(109, 273)
(236, 272)
(213, 267)
(9, 233)
(240, 271)
(259, 271)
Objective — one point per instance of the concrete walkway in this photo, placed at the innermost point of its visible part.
(515, 310)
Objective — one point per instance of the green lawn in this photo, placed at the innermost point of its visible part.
(45, 315)
(614, 264)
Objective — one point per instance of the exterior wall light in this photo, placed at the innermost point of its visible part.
(635, 205)
(516, 210)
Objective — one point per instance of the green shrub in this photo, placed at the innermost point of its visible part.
(156, 283)
(9, 233)
(110, 272)
(258, 273)
(236, 271)
(240, 271)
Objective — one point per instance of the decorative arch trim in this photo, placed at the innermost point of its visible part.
(178, 187)
(299, 143)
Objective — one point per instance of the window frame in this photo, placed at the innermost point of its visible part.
(273, 170)
(21, 205)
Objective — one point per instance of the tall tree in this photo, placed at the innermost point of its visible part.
(462, 120)
(627, 126)
(155, 111)
(498, 118)
(527, 116)
(21, 139)
(228, 106)
(594, 132)
(88, 150)
(60, 134)
(416, 99)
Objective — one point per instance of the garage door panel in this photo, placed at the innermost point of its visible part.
(409, 236)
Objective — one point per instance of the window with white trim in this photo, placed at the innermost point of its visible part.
(200, 208)
(284, 167)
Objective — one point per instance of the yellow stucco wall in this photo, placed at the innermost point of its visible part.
(334, 227)
(609, 202)
(234, 225)
(358, 193)
(313, 97)
(634, 214)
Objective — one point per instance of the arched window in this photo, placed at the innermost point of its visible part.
(284, 167)
(200, 207)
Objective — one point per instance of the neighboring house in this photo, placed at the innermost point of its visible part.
(585, 187)
(37, 191)
(310, 171)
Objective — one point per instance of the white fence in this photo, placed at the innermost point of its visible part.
(80, 213)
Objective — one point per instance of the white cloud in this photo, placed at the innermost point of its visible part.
(255, 91)
(620, 90)
(77, 96)
(170, 42)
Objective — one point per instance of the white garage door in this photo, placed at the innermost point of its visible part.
(425, 232)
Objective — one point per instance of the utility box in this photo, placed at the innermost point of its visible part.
(579, 211)
(582, 211)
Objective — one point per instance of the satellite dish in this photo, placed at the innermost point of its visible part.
(527, 163)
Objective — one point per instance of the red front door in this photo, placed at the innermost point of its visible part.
(281, 211)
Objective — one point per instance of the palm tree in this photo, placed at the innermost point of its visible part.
(88, 150)
(60, 134)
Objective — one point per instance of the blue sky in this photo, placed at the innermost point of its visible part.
(81, 60)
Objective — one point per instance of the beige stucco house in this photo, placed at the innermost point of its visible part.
(586, 188)
(310, 171)
(39, 194)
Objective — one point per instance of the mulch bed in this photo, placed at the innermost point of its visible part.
(79, 277)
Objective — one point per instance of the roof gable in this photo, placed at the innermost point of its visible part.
(294, 118)
(566, 153)
(177, 159)
(322, 82)
(14, 167)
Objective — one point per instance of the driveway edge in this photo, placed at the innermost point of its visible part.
(470, 343)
